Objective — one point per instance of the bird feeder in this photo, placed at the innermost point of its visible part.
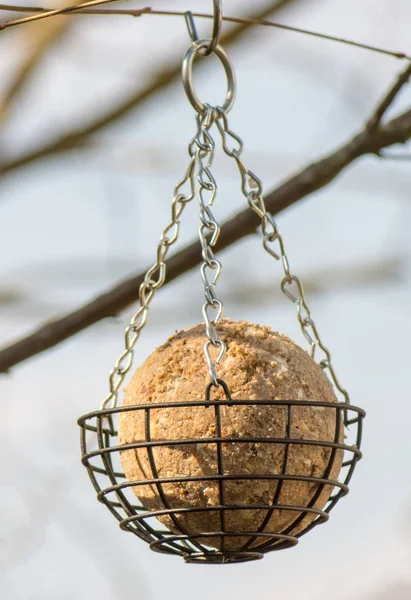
(231, 441)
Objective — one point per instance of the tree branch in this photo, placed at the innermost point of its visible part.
(77, 10)
(389, 98)
(44, 14)
(160, 80)
(42, 39)
(310, 179)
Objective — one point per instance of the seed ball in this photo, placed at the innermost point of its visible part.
(259, 364)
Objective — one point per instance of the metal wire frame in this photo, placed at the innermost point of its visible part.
(100, 455)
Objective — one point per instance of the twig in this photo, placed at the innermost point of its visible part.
(312, 178)
(44, 14)
(76, 10)
(389, 98)
(158, 82)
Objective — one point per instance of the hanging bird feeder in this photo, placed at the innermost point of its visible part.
(230, 441)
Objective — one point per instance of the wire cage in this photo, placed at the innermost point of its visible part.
(101, 455)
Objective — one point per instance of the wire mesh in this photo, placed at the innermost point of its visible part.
(101, 455)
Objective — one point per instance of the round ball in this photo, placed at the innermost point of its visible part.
(259, 364)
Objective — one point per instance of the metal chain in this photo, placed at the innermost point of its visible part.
(209, 228)
(273, 243)
(201, 150)
(209, 231)
(154, 278)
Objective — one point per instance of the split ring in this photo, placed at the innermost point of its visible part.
(187, 74)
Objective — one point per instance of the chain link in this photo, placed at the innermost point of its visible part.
(273, 243)
(209, 231)
(154, 277)
(201, 151)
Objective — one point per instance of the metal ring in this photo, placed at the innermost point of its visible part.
(187, 74)
(213, 42)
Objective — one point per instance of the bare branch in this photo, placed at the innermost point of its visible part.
(44, 14)
(312, 178)
(388, 100)
(43, 39)
(160, 80)
(76, 10)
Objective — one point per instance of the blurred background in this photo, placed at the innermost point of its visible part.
(75, 221)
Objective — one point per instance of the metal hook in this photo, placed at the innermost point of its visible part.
(211, 365)
(191, 26)
(216, 265)
(217, 25)
(223, 385)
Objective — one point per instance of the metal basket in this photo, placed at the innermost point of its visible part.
(101, 454)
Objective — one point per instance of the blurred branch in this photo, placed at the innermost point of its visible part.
(42, 39)
(355, 275)
(389, 98)
(161, 79)
(371, 140)
(44, 14)
(77, 10)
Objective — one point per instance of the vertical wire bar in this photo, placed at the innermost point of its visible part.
(220, 468)
(153, 466)
(320, 486)
(279, 484)
(339, 410)
(355, 458)
(91, 469)
(161, 492)
(106, 460)
(327, 472)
